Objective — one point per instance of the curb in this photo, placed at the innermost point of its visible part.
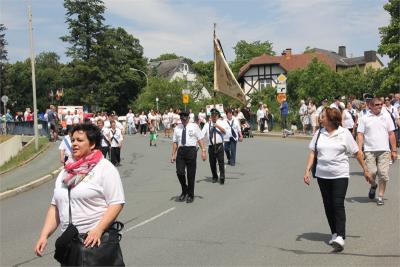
(28, 160)
(30, 185)
(280, 136)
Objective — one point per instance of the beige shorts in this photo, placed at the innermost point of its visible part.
(378, 164)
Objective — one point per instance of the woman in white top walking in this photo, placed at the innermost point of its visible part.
(331, 145)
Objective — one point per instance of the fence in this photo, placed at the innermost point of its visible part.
(24, 128)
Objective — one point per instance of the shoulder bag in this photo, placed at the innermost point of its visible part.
(70, 250)
(314, 165)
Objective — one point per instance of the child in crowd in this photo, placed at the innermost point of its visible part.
(293, 127)
(153, 132)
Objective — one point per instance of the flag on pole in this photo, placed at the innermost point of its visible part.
(224, 80)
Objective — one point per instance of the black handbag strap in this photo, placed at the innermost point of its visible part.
(316, 141)
(69, 204)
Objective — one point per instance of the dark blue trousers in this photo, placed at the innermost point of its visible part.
(230, 151)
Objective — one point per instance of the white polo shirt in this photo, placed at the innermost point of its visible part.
(232, 125)
(114, 136)
(376, 129)
(333, 150)
(130, 117)
(193, 134)
(76, 119)
(68, 119)
(143, 119)
(348, 121)
(90, 199)
(219, 136)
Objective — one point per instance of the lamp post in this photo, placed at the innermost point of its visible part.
(147, 78)
(157, 103)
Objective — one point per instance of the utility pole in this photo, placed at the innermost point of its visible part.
(35, 113)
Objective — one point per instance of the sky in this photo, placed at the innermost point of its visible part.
(185, 27)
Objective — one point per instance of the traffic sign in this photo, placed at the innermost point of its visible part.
(4, 99)
(281, 88)
(185, 99)
(281, 78)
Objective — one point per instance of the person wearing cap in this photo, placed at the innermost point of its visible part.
(184, 152)
(367, 100)
(336, 104)
(215, 131)
(233, 134)
(376, 133)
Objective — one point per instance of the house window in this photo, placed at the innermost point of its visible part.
(264, 83)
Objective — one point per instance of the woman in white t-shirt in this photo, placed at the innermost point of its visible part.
(96, 198)
(349, 118)
(333, 144)
(143, 123)
(167, 124)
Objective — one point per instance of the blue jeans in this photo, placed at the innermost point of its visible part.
(131, 128)
(230, 151)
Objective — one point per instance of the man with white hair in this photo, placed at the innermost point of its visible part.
(303, 111)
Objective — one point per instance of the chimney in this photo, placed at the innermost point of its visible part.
(287, 53)
(370, 56)
(342, 51)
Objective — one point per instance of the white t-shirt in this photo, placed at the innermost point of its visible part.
(63, 146)
(130, 117)
(219, 136)
(171, 117)
(228, 130)
(176, 119)
(193, 134)
(260, 114)
(75, 118)
(191, 117)
(165, 119)
(107, 124)
(202, 117)
(333, 150)
(240, 116)
(90, 199)
(348, 121)
(303, 110)
(376, 130)
(143, 119)
(105, 132)
(68, 119)
(115, 137)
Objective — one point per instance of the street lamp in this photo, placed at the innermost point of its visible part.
(147, 78)
(157, 102)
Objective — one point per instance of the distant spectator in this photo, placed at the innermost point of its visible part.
(284, 108)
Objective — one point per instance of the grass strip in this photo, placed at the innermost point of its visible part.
(26, 153)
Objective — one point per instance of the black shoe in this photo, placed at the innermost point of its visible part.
(189, 199)
(371, 193)
(222, 181)
(182, 197)
(214, 180)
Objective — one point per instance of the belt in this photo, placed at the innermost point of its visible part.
(217, 144)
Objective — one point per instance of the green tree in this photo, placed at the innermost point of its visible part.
(85, 24)
(245, 51)
(390, 45)
(166, 56)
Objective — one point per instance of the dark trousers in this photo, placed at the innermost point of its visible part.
(115, 155)
(333, 192)
(230, 151)
(143, 128)
(216, 154)
(186, 159)
(283, 121)
(105, 150)
(261, 123)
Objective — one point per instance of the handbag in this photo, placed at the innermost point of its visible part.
(314, 165)
(63, 242)
(107, 254)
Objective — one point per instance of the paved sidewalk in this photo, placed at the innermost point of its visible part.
(42, 165)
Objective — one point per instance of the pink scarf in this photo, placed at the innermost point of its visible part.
(76, 171)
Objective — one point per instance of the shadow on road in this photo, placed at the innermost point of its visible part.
(303, 252)
(176, 198)
(359, 200)
(313, 236)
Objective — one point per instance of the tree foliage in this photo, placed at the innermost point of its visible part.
(85, 24)
(390, 45)
(3, 58)
(245, 51)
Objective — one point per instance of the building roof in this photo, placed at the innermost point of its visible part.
(166, 68)
(288, 62)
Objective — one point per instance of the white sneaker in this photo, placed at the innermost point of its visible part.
(333, 238)
(338, 244)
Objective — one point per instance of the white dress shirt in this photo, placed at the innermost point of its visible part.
(219, 136)
(193, 134)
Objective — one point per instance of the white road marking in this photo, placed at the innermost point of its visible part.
(149, 220)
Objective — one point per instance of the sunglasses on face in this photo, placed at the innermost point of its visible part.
(378, 104)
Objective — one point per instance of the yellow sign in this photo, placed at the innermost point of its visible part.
(280, 97)
(185, 99)
(281, 78)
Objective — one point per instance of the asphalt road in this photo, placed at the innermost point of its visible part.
(264, 215)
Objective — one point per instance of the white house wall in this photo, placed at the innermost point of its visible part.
(255, 73)
(190, 77)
